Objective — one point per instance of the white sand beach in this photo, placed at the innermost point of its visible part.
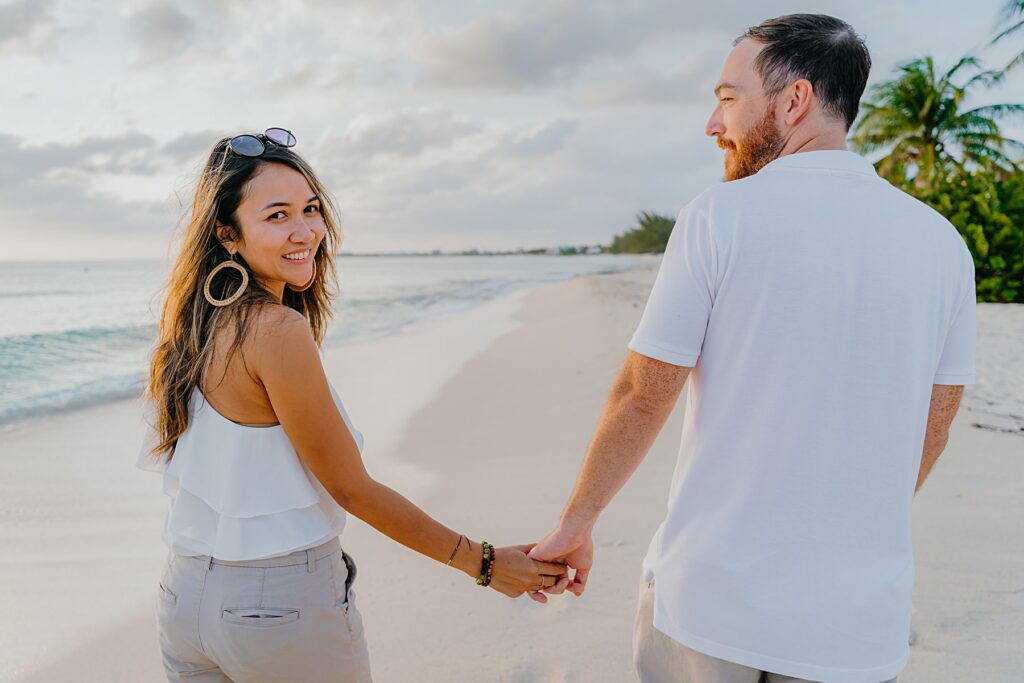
(483, 418)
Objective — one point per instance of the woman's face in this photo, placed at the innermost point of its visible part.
(281, 226)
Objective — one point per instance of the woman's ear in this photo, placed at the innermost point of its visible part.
(224, 235)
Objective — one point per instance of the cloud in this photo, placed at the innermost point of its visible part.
(23, 164)
(404, 133)
(559, 181)
(688, 83)
(336, 72)
(552, 42)
(27, 26)
(527, 47)
(388, 186)
(540, 141)
(162, 31)
(50, 208)
(364, 5)
(190, 146)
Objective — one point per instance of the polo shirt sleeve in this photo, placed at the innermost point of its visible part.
(956, 363)
(676, 317)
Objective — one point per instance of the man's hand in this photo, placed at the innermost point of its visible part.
(516, 573)
(636, 409)
(574, 548)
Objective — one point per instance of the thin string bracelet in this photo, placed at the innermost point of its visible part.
(457, 549)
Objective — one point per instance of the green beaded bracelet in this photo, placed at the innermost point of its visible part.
(490, 570)
(485, 565)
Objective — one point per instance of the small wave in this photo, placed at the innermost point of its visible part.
(34, 293)
(96, 333)
(95, 392)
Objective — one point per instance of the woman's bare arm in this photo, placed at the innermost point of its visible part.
(287, 362)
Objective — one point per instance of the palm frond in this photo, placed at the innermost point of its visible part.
(1010, 11)
(987, 78)
(1007, 32)
(998, 110)
(963, 62)
(1016, 61)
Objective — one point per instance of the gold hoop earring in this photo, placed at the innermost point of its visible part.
(230, 263)
(309, 284)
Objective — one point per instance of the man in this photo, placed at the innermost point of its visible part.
(825, 321)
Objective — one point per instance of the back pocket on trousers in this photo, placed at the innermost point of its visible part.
(167, 595)
(260, 617)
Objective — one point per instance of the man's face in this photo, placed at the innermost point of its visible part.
(743, 121)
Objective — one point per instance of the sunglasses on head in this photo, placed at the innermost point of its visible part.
(248, 145)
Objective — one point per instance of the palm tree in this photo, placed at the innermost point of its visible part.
(1012, 14)
(918, 119)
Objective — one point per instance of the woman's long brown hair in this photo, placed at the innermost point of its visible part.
(188, 321)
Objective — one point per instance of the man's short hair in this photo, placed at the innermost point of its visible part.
(822, 49)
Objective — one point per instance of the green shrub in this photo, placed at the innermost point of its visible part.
(987, 209)
(649, 237)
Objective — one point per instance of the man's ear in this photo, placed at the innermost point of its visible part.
(799, 97)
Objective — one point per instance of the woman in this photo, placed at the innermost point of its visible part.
(257, 452)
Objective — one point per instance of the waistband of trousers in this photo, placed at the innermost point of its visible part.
(308, 556)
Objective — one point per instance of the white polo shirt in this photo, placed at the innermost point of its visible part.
(817, 305)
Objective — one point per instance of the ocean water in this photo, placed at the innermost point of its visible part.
(79, 333)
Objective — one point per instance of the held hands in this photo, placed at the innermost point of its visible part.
(512, 571)
(534, 569)
(516, 573)
(575, 548)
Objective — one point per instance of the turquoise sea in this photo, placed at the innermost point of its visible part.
(79, 333)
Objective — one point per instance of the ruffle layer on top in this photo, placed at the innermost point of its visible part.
(239, 492)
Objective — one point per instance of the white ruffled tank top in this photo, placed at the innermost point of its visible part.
(240, 492)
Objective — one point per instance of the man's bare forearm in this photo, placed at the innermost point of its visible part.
(944, 403)
(637, 408)
(932, 450)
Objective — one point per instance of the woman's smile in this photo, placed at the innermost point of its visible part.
(298, 257)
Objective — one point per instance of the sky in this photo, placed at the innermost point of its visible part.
(435, 125)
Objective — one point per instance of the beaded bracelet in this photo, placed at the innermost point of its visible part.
(490, 569)
(485, 566)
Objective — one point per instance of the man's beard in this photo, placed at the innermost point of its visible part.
(761, 145)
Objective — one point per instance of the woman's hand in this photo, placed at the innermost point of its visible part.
(516, 573)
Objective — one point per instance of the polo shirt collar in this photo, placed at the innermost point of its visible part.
(824, 159)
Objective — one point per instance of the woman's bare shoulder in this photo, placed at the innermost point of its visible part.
(279, 329)
(270, 316)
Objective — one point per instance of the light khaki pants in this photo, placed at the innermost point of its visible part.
(659, 659)
(290, 618)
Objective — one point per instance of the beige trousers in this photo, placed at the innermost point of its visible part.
(290, 618)
(659, 659)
